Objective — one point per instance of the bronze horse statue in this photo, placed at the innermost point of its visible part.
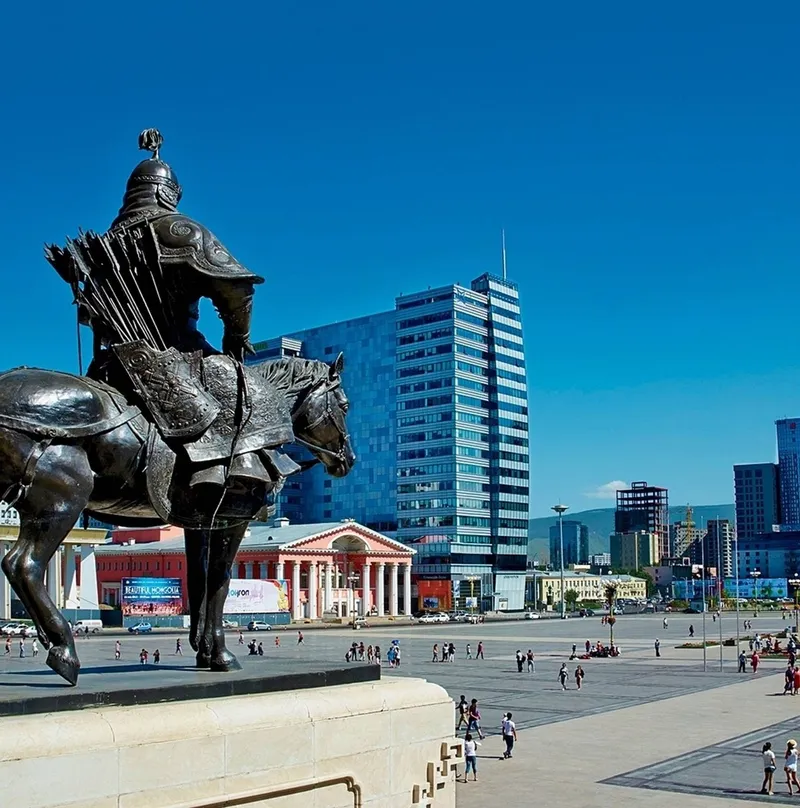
(71, 445)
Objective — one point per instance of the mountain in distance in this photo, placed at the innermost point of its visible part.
(600, 522)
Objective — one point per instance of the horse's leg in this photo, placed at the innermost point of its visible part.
(196, 548)
(61, 487)
(223, 546)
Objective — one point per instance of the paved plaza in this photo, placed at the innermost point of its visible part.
(640, 724)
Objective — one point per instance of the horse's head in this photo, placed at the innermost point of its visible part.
(319, 421)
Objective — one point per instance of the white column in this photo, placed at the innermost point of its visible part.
(393, 590)
(407, 589)
(365, 589)
(54, 579)
(5, 587)
(313, 584)
(379, 592)
(296, 591)
(88, 578)
(280, 575)
(328, 599)
(71, 579)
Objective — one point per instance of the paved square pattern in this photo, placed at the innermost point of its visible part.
(730, 769)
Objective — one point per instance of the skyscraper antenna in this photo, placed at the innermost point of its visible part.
(503, 234)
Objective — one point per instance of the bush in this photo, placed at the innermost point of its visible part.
(709, 644)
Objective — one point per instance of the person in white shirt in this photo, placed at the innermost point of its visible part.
(768, 757)
(509, 734)
(471, 757)
(790, 765)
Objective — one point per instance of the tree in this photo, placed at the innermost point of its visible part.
(571, 599)
(610, 596)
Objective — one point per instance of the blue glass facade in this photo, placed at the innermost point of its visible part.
(439, 420)
(789, 464)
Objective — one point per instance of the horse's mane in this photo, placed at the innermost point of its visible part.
(292, 375)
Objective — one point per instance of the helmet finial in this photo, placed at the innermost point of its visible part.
(151, 140)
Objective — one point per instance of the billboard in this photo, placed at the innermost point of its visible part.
(151, 597)
(250, 596)
(748, 588)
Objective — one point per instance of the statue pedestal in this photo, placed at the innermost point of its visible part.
(386, 743)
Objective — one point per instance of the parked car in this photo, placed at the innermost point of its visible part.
(435, 617)
(258, 625)
(586, 613)
(230, 624)
(140, 628)
(459, 617)
(19, 630)
(88, 627)
(360, 622)
(532, 616)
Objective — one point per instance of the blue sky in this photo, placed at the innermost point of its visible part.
(643, 161)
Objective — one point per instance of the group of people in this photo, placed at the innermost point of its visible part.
(563, 676)
(448, 652)
(469, 716)
(528, 658)
(357, 652)
(597, 650)
(789, 767)
(34, 647)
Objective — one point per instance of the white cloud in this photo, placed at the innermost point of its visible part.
(607, 490)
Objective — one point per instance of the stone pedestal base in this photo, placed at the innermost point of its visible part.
(388, 743)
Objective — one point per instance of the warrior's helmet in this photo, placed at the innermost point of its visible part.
(153, 183)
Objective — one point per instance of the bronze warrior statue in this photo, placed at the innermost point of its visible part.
(163, 428)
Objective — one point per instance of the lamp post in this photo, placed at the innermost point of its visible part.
(472, 579)
(795, 582)
(736, 561)
(352, 580)
(560, 510)
(755, 575)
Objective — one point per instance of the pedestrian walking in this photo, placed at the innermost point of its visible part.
(445, 652)
(563, 675)
(795, 680)
(178, 648)
(474, 717)
(156, 656)
(788, 680)
(361, 652)
(479, 654)
(469, 651)
(377, 655)
(435, 657)
(277, 641)
(657, 646)
(21, 647)
(754, 660)
(462, 708)
(370, 654)
(768, 758)
(452, 652)
(665, 623)
(574, 653)
(8, 646)
(520, 660)
(300, 638)
(579, 674)
(35, 647)
(143, 657)
(588, 646)
(261, 649)
(509, 729)
(117, 649)
(470, 757)
(742, 662)
(691, 630)
(241, 637)
(531, 663)
(790, 765)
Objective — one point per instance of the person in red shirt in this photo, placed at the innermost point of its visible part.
(796, 680)
(479, 653)
(754, 660)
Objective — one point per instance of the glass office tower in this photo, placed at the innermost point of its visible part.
(789, 464)
(439, 421)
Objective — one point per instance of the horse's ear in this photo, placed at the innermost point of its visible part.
(337, 367)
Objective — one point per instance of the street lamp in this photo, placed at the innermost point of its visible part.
(755, 575)
(560, 510)
(795, 582)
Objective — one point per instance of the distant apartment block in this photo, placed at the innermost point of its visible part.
(634, 550)
(757, 497)
(644, 508)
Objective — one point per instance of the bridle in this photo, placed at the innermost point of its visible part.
(330, 386)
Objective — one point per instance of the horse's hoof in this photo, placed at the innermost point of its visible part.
(225, 661)
(203, 661)
(65, 663)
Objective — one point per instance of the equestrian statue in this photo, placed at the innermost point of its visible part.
(162, 428)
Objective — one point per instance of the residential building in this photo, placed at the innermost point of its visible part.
(599, 562)
(340, 568)
(683, 534)
(576, 543)
(439, 421)
(644, 507)
(634, 550)
(789, 463)
(544, 588)
(772, 555)
(758, 499)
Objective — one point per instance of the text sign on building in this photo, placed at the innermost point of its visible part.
(248, 596)
(151, 597)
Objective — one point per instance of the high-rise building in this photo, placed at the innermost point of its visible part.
(633, 550)
(758, 500)
(682, 535)
(789, 462)
(644, 507)
(715, 551)
(439, 422)
(576, 544)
